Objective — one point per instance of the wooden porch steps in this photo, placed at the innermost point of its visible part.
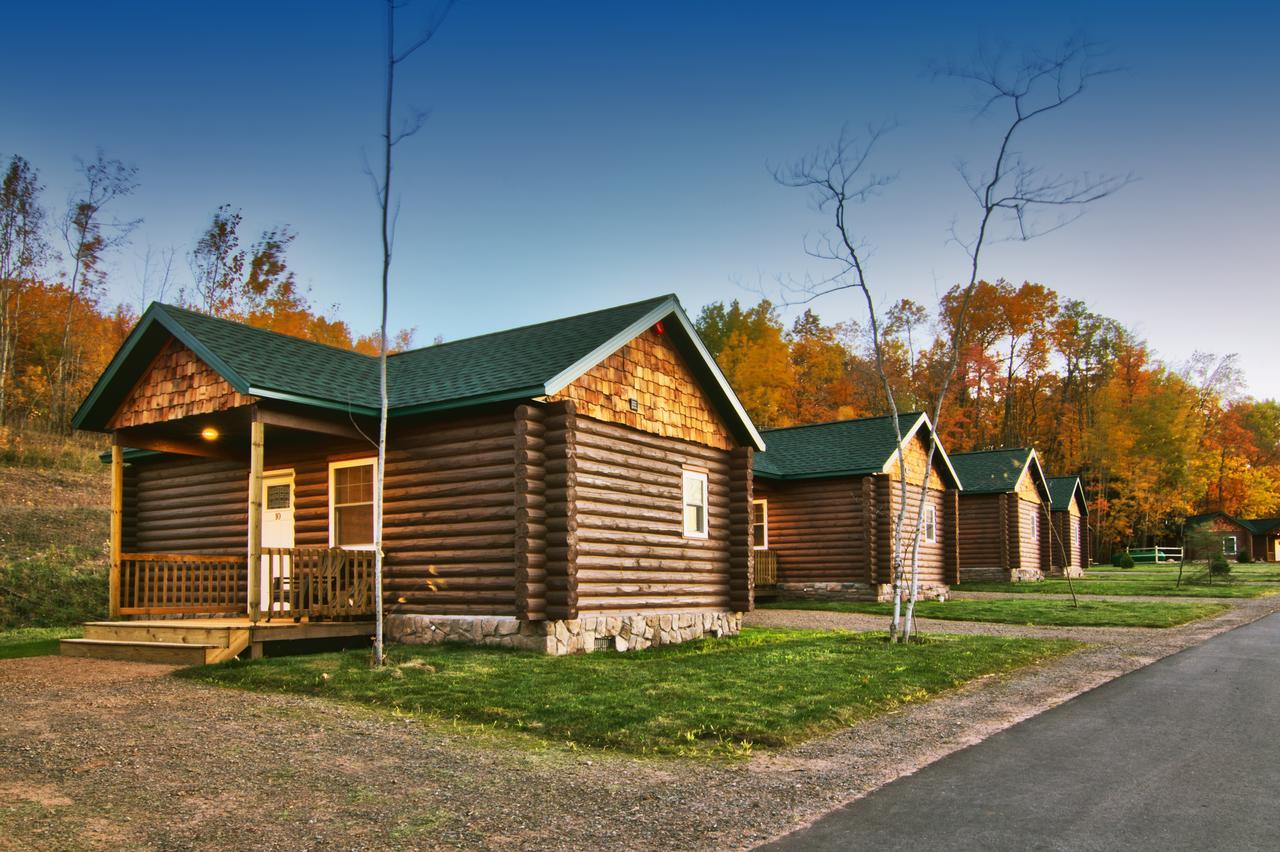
(174, 643)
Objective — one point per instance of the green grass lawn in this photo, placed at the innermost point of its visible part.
(1254, 571)
(1034, 611)
(34, 641)
(1163, 586)
(713, 697)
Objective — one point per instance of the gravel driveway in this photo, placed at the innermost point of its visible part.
(105, 754)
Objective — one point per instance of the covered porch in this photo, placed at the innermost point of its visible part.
(191, 607)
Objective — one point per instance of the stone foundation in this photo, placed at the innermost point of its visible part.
(1001, 575)
(572, 636)
(855, 592)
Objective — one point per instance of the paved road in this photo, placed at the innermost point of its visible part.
(1182, 754)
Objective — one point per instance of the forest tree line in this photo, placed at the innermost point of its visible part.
(1152, 442)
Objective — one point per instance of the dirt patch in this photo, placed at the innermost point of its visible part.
(142, 759)
(34, 487)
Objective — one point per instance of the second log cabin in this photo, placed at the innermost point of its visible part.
(575, 485)
(1069, 528)
(1004, 517)
(827, 504)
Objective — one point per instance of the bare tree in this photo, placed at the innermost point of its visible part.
(1012, 194)
(155, 275)
(395, 57)
(90, 234)
(23, 250)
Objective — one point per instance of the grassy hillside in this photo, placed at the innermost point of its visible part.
(53, 535)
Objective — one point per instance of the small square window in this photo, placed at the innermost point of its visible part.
(695, 504)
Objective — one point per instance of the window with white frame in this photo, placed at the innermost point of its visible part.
(931, 525)
(1229, 545)
(760, 525)
(351, 504)
(695, 504)
(1035, 525)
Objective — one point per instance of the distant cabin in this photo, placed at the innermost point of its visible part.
(1004, 517)
(573, 485)
(826, 504)
(1259, 537)
(1069, 544)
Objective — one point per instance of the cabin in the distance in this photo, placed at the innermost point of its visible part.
(827, 498)
(569, 486)
(1004, 517)
(1258, 537)
(1069, 527)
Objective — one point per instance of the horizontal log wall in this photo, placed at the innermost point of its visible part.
(931, 559)
(631, 551)
(742, 553)
(449, 523)
(983, 538)
(1030, 545)
(817, 530)
(187, 506)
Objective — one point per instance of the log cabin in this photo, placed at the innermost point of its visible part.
(568, 486)
(827, 498)
(1068, 526)
(1004, 517)
(1258, 537)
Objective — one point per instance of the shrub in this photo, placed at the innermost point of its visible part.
(1244, 557)
(52, 589)
(1122, 560)
(1219, 566)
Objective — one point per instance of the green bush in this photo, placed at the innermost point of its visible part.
(1244, 557)
(52, 589)
(1219, 566)
(1122, 560)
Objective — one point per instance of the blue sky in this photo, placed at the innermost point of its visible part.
(581, 154)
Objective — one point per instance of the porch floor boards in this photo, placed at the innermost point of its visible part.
(197, 641)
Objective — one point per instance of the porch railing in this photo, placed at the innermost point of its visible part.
(766, 568)
(172, 584)
(317, 582)
(297, 582)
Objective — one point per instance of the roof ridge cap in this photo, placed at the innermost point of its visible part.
(654, 299)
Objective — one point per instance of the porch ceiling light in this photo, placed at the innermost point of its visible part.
(209, 433)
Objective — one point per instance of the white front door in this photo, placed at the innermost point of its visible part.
(277, 530)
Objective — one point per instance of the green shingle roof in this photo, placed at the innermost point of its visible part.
(843, 448)
(991, 471)
(1257, 526)
(523, 362)
(1061, 491)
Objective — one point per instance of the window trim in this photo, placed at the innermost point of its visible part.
(930, 525)
(762, 519)
(333, 530)
(685, 476)
(1235, 545)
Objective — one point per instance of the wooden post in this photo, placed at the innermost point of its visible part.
(117, 526)
(255, 520)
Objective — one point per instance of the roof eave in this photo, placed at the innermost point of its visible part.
(155, 314)
(530, 392)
